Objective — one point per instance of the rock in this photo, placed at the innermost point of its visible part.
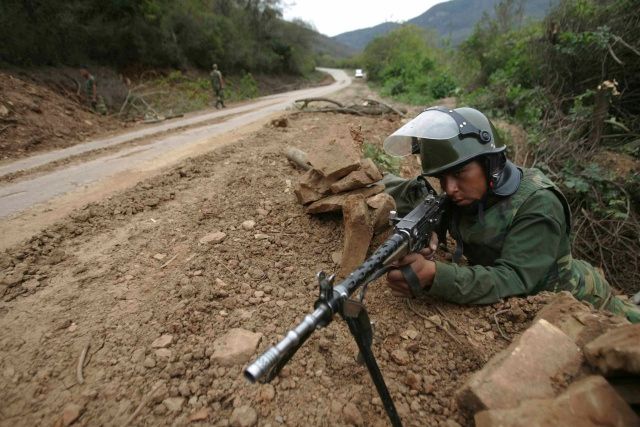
(235, 347)
(577, 319)
(369, 167)
(4, 111)
(174, 404)
(163, 341)
(409, 334)
(336, 257)
(149, 362)
(261, 236)
(215, 237)
(381, 204)
(138, 355)
(435, 320)
(13, 279)
(541, 356)
(413, 380)
(352, 415)
(244, 416)
(163, 353)
(357, 235)
(70, 414)
(267, 393)
(355, 179)
(335, 159)
(589, 402)
(199, 415)
(160, 257)
(262, 212)
(336, 202)
(248, 225)
(312, 186)
(400, 356)
(616, 351)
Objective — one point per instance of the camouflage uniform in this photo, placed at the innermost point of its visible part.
(519, 245)
(218, 89)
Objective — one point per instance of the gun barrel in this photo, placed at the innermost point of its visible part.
(288, 345)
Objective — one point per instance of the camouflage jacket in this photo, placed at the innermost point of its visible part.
(519, 246)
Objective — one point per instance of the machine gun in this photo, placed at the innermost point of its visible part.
(411, 234)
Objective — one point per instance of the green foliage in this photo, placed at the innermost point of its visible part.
(594, 189)
(240, 35)
(406, 66)
(384, 161)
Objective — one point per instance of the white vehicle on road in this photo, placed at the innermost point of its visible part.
(359, 74)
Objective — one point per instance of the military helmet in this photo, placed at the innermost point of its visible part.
(445, 138)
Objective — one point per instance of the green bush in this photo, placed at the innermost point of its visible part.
(406, 67)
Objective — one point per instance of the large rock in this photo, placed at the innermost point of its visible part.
(335, 159)
(356, 179)
(235, 347)
(528, 369)
(244, 416)
(312, 186)
(617, 351)
(381, 204)
(370, 169)
(577, 319)
(589, 402)
(336, 202)
(357, 234)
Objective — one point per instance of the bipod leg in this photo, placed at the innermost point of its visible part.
(357, 318)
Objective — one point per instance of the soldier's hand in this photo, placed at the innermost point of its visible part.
(424, 269)
(430, 250)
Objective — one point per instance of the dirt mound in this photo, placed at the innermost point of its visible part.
(36, 118)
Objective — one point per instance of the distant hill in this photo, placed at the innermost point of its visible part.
(324, 45)
(359, 39)
(454, 19)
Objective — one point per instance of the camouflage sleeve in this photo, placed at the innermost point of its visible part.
(407, 193)
(530, 250)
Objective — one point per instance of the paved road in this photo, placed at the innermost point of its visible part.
(16, 197)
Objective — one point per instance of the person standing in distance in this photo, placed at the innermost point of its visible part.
(217, 83)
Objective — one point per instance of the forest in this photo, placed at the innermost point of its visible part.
(244, 35)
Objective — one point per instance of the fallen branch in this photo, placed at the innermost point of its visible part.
(389, 107)
(306, 101)
(83, 355)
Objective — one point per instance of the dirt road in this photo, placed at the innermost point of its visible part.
(76, 184)
(114, 276)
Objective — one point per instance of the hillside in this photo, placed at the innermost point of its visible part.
(358, 39)
(454, 20)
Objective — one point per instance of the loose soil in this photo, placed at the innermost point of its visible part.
(118, 274)
(35, 118)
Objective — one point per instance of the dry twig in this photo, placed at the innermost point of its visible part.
(495, 318)
(142, 404)
(83, 356)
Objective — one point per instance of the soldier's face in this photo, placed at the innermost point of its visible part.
(466, 184)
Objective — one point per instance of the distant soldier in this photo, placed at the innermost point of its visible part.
(217, 83)
(90, 89)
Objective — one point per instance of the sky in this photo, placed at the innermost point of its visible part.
(332, 17)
